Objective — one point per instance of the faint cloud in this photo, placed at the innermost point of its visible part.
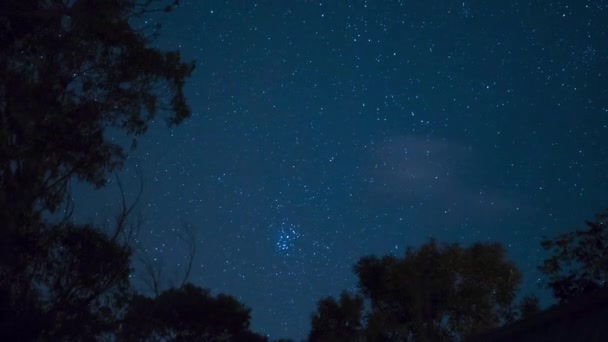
(435, 174)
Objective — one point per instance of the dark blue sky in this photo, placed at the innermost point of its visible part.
(323, 131)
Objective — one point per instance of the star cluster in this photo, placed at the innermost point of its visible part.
(287, 235)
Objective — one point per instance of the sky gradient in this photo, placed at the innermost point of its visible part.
(323, 131)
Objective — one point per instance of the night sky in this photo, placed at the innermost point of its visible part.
(323, 131)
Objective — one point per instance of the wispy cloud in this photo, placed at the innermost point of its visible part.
(436, 174)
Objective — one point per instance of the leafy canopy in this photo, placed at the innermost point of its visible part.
(578, 261)
(337, 320)
(188, 313)
(67, 283)
(71, 70)
(435, 293)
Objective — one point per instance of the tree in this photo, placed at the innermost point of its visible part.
(435, 293)
(67, 281)
(337, 320)
(529, 306)
(188, 313)
(70, 71)
(578, 263)
(440, 292)
(71, 282)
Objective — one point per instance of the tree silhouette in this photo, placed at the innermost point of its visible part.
(337, 320)
(579, 260)
(529, 306)
(70, 282)
(435, 293)
(70, 71)
(188, 313)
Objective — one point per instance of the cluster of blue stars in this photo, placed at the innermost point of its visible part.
(287, 234)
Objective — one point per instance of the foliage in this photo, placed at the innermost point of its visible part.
(188, 313)
(74, 75)
(71, 283)
(579, 260)
(337, 320)
(529, 306)
(70, 71)
(435, 293)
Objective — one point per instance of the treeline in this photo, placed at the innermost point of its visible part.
(72, 70)
(445, 292)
